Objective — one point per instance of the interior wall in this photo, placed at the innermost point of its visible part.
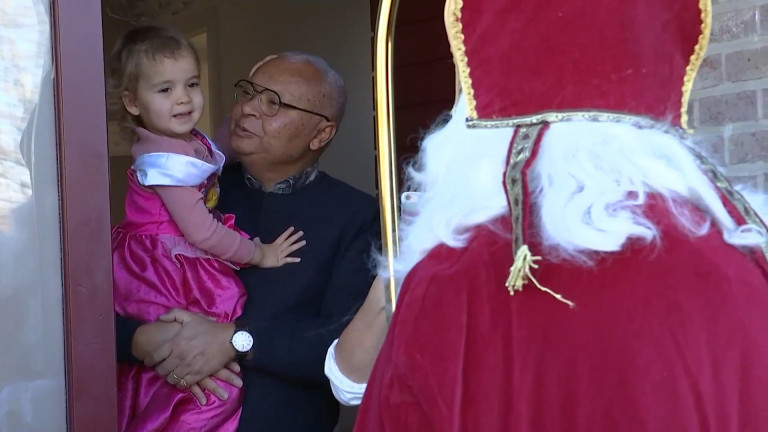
(200, 42)
(119, 151)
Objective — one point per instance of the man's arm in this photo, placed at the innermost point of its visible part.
(349, 361)
(361, 341)
(134, 339)
(296, 350)
(125, 329)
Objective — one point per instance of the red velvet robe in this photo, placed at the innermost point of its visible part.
(665, 337)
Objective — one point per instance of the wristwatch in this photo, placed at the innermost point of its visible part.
(242, 341)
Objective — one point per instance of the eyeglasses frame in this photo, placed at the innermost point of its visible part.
(281, 104)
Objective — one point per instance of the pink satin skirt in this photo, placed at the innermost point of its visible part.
(152, 274)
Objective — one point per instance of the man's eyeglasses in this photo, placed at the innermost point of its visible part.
(269, 100)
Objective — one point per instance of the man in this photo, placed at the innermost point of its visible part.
(639, 275)
(285, 115)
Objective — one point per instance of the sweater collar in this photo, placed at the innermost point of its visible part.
(289, 185)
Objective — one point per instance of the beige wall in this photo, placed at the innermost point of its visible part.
(200, 42)
(119, 161)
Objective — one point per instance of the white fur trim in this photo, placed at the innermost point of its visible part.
(170, 169)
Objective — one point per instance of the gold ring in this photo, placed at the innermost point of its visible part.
(183, 383)
(175, 377)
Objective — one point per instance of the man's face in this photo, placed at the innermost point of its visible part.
(285, 138)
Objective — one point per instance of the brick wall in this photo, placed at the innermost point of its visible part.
(729, 104)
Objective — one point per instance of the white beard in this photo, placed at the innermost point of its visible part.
(579, 186)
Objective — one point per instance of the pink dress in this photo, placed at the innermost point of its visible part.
(156, 269)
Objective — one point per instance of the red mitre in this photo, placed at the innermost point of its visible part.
(532, 61)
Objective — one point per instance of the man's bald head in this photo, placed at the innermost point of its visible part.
(333, 84)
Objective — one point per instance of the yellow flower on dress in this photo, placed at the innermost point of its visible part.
(212, 196)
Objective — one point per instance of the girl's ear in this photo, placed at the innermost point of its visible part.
(129, 101)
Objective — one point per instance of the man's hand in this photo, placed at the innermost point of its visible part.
(200, 349)
(150, 336)
(228, 374)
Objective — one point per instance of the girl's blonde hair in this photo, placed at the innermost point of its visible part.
(136, 48)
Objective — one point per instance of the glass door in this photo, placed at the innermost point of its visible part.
(32, 379)
(57, 368)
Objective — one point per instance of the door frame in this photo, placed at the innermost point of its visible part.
(386, 162)
(83, 161)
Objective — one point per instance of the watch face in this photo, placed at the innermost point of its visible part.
(242, 341)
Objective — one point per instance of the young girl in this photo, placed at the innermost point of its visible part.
(173, 249)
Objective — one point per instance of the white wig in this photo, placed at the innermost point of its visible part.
(587, 184)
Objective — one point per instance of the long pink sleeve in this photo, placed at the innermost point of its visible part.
(186, 206)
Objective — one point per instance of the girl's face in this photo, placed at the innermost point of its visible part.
(168, 97)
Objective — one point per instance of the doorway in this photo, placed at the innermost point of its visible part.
(230, 37)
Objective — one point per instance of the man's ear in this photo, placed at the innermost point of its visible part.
(130, 104)
(326, 132)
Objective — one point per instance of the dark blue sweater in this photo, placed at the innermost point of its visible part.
(296, 311)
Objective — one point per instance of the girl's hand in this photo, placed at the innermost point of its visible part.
(276, 254)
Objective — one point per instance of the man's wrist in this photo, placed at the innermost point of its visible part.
(125, 330)
(242, 340)
(150, 336)
(140, 344)
(232, 353)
